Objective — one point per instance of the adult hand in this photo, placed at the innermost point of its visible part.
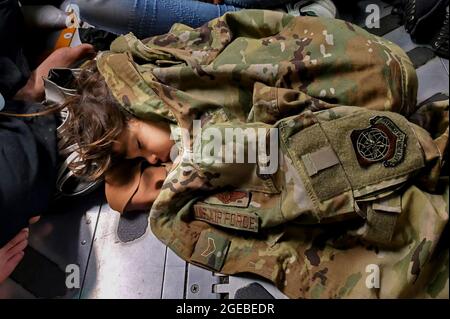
(12, 253)
(61, 58)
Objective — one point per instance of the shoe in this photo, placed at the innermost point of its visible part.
(314, 8)
(423, 17)
(439, 43)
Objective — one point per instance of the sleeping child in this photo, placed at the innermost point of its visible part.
(291, 148)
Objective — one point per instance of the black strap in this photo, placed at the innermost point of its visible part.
(420, 56)
(387, 24)
(435, 98)
(40, 276)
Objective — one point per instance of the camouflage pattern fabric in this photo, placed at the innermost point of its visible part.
(330, 218)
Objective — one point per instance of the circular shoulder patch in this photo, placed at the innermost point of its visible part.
(381, 141)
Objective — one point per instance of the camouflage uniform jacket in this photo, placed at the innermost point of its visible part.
(357, 185)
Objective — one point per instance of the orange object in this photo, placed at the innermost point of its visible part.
(65, 38)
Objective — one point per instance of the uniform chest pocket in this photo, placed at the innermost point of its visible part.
(358, 155)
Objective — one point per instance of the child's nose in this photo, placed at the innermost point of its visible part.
(152, 159)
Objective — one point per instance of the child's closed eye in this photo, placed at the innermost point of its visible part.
(139, 145)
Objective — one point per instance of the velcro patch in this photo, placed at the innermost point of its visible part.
(226, 217)
(233, 198)
(211, 250)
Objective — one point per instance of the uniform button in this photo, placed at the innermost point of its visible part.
(2, 102)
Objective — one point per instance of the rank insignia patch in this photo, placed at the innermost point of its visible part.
(383, 141)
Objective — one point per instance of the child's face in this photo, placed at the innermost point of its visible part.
(145, 139)
(150, 141)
